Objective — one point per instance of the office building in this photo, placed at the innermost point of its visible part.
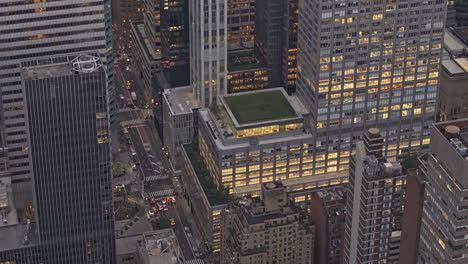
(241, 24)
(67, 115)
(159, 247)
(374, 204)
(124, 12)
(205, 201)
(246, 72)
(365, 64)
(208, 49)
(147, 59)
(179, 117)
(443, 229)
(276, 40)
(175, 42)
(266, 230)
(256, 137)
(461, 12)
(32, 29)
(453, 95)
(328, 212)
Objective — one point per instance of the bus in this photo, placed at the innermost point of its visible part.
(144, 138)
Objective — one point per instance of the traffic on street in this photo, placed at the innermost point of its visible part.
(152, 187)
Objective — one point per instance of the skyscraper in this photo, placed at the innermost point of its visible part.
(365, 64)
(445, 169)
(276, 24)
(30, 29)
(67, 121)
(208, 49)
(374, 205)
(175, 42)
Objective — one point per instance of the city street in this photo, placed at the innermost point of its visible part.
(153, 176)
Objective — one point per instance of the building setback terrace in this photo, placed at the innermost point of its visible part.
(259, 106)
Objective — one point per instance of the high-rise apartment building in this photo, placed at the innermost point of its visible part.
(208, 49)
(445, 169)
(365, 64)
(328, 212)
(374, 205)
(68, 126)
(266, 230)
(30, 29)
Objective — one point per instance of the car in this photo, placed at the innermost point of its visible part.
(186, 229)
(122, 97)
(150, 170)
(189, 235)
(165, 208)
(119, 186)
(173, 223)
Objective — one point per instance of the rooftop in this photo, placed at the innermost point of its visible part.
(461, 33)
(161, 247)
(454, 56)
(253, 213)
(127, 244)
(243, 61)
(13, 233)
(181, 100)
(59, 66)
(259, 106)
(449, 149)
(456, 132)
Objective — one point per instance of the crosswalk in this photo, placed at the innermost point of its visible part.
(195, 261)
(156, 177)
(126, 109)
(133, 122)
(161, 193)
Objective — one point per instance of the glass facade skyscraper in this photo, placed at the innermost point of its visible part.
(68, 125)
(31, 29)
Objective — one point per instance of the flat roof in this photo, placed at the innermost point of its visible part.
(243, 61)
(127, 244)
(452, 42)
(259, 106)
(461, 33)
(180, 100)
(452, 67)
(49, 67)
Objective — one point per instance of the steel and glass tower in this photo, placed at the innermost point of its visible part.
(365, 64)
(208, 49)
(31, 29)
(68, 126)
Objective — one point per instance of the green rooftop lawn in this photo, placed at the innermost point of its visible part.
(233, 67)
(260, 106)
